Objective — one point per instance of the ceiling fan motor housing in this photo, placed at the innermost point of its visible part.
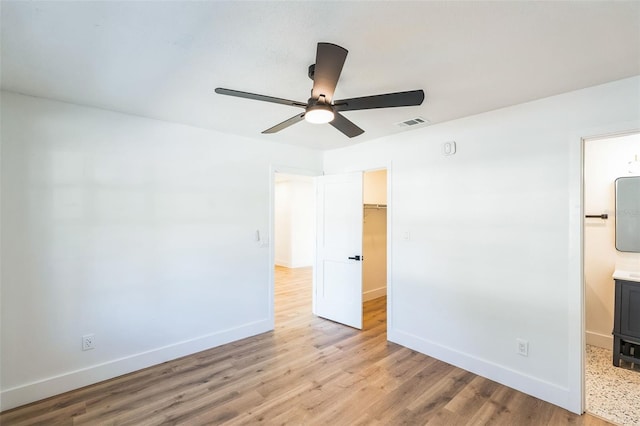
(322, 100)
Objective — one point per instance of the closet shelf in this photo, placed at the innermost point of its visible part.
(375, 206)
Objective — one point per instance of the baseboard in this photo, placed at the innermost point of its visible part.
(533, 386)
(36, 391)
(374, 294)
(290, 265)
(282, 262)
(600, 340)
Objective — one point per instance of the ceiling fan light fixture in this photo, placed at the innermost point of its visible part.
(319, 114)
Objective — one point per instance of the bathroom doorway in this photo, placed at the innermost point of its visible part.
(609, 390)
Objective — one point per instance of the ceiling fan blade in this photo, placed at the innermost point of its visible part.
(329, 61)
(286, 123)
(345, 125)
(389, 100)
(256, 97)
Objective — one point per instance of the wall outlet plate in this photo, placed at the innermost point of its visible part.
(522, 347)
(88, 342)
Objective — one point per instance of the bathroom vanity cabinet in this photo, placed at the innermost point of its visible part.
(626, 322)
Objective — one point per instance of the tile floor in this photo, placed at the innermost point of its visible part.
(612, 393)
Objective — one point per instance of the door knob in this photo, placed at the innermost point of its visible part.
(356, 257)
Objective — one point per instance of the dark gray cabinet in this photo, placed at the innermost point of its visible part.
(626, 323)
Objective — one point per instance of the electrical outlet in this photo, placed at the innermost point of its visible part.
(88, 342)
(522, 347)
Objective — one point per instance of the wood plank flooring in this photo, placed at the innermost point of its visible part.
(308, 371)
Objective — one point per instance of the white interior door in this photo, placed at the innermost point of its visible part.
(338, 289)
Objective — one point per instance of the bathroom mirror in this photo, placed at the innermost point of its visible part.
(628, 214)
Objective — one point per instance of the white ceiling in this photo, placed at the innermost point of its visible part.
(164, 59)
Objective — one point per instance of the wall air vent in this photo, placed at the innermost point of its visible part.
(417, 121)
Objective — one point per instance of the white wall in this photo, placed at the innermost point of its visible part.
(139, 231)
(374, 187)
(374, 251)
(294, 221)
(494, 235)
(605, 160)
(374, 235)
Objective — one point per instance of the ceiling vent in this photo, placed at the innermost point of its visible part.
(417, 121)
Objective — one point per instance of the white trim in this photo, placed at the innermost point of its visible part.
(282, 262)
(600, 340)
(287, 264)
(390, 233)
(31, 392)
(540, 389)
(575, 288)
(374, 294)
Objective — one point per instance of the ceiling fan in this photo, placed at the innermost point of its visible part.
(321, 108)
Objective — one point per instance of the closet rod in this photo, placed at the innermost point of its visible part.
(375, 206)
(599, 216)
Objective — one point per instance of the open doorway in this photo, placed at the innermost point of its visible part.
(610, 391)
(295, 239)
(374, 235)
(374, 249)
(294, 244)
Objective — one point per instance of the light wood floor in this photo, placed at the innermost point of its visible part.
(309, 371)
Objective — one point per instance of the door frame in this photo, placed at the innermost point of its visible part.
(388, 166)
(604, 134)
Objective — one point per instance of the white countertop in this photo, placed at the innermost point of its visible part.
(621, 274)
